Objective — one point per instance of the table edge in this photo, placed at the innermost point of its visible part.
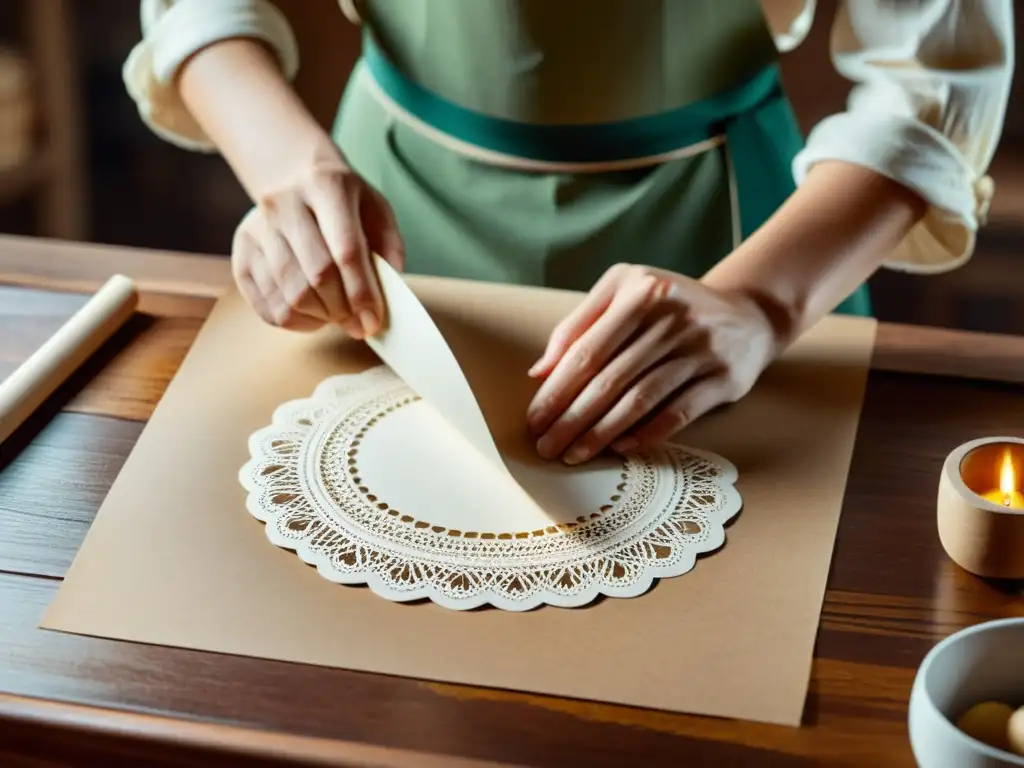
(236, 740)
(83, 267)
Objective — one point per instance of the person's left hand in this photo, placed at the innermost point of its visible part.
(646, 353)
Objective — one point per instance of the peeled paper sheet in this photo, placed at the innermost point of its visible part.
(469, 361)
(436, 360)
(413, 347)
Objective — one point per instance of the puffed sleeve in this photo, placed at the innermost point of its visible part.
(174, 30)
(931, 85)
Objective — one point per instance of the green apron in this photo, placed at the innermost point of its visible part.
(578, 82)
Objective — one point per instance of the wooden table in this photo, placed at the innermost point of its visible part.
(69, 700)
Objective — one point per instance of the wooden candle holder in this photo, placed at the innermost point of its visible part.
(981, 527)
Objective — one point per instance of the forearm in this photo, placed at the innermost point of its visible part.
(237, 93)
(825, 241)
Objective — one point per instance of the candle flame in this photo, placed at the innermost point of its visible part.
(1007, 475)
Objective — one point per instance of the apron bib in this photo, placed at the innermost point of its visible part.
(542, 141)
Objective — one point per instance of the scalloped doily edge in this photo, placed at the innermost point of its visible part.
(733, 505)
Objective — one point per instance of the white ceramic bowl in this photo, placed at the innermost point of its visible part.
(981, 663)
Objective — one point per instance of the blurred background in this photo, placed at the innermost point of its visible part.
(77, 163)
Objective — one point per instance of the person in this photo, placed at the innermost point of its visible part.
(641, 151)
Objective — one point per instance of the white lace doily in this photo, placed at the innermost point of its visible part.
(364, 481)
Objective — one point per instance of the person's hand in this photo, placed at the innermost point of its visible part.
(302, 256)
(646, 353)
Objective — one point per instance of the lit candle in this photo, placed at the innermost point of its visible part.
(1006, 494)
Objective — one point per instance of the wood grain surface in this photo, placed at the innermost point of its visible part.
(69, 700)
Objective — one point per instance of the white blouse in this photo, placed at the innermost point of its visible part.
(931, 84)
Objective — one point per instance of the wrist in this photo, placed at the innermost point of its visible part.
(289, 154)
(783, 314)
(824, 242)
(313, 152)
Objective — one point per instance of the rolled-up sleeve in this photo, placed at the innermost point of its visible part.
(931, 85)
(174, 30)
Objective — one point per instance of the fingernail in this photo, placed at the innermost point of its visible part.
(537, 423)
(625, 445)
(534, 416)
(369, 322)
(540, 366)
(576, 455)
(353, 329)
(546, 447)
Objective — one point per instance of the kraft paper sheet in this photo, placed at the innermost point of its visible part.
(174, 559)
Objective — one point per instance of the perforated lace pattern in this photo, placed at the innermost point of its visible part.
(304, 482)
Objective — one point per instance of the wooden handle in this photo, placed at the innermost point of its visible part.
(62, 354)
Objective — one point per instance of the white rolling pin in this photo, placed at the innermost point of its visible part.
(62, 354)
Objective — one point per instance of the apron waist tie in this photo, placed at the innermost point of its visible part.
(754, 120)
(749, 118)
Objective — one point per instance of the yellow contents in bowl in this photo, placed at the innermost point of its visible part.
(1015, 731)
(989, 723)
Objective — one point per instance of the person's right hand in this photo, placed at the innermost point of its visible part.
(302, 256)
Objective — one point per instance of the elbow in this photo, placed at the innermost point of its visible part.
(174, 36)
